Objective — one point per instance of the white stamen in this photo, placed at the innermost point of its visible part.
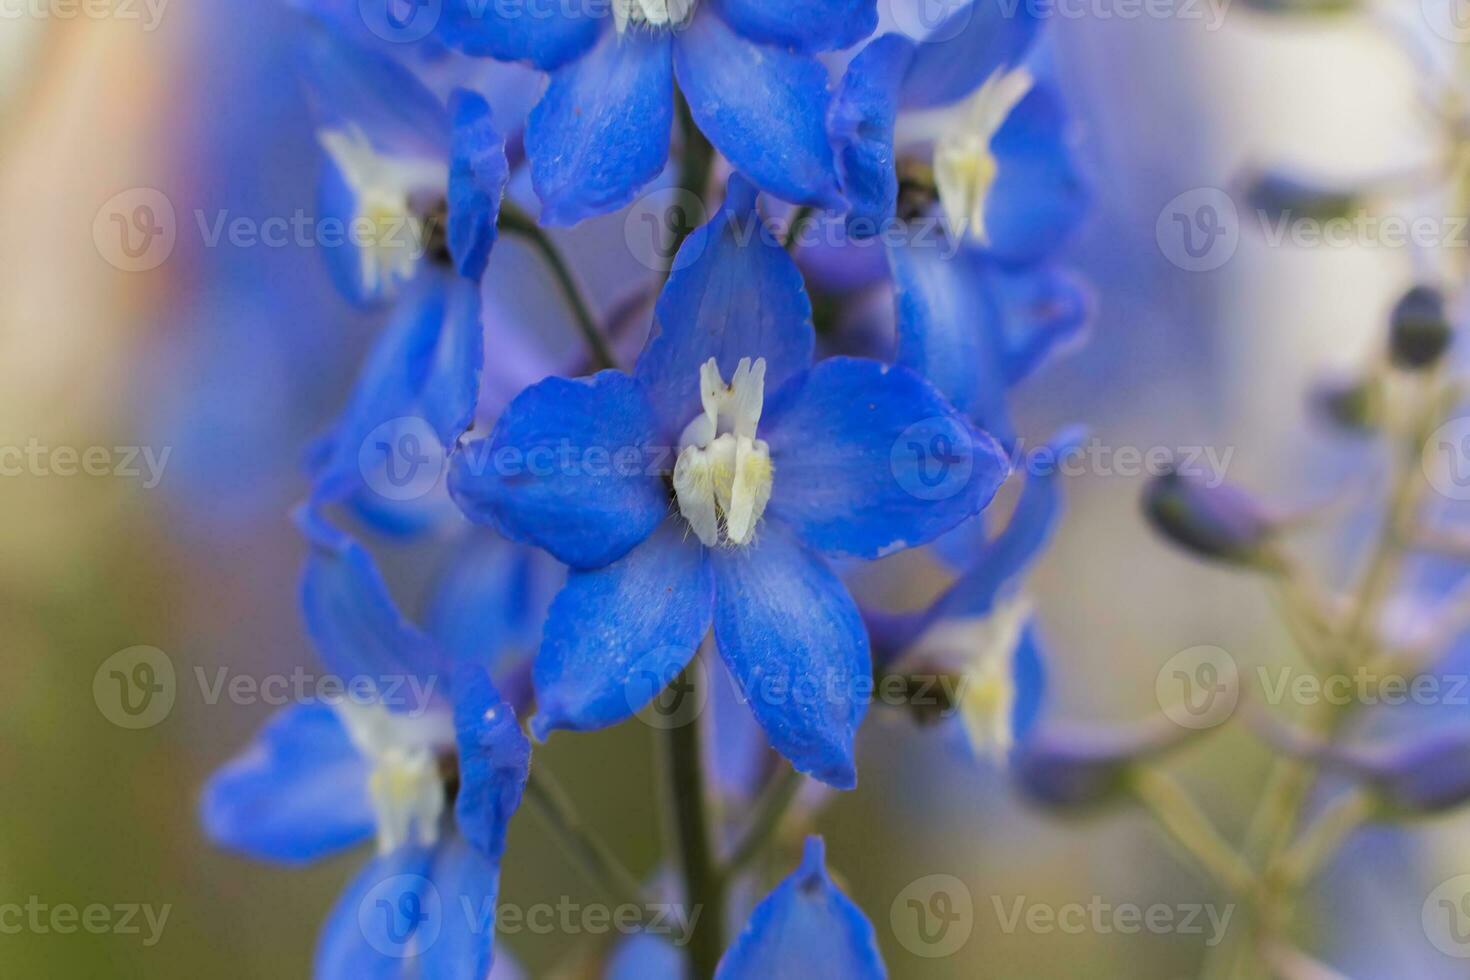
(405, 785)
(961, 134)
(655, 13)
(389, 234)
(723, 476)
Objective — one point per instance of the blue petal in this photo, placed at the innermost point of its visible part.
(644, 956)
(423, 373)
(737, 755)
(794, 641)
(490, 601)
(993, 573)
(975, 329)
(1028, 678)
(861, 123)
(478, 173)
(468, 882)
(336, 205)
(1038, 195)
(570, 467)
(972, 44)
(805, 930)
(734, 293)
(802, 25)
(764, 108)
(351, 86)
(871, 459)
(547, 35)
(353, 622)
(494, 761)
(618, 635)
(386, 913)
(297, 794)
(601, 131)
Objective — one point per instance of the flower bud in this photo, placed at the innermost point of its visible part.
(1419, 330)
(1220, 523)
(1352, 405)
(1424, 776)
(1277, 195)
(1078, 768)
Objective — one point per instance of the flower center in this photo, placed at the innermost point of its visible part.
(654, 13)
(387, 228)
(406, 785)
(964, 167)
(723, 477)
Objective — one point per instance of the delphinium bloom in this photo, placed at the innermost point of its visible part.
(747, 69)
(708, 486)
(418, 184)
(431, 770)
(958, 142)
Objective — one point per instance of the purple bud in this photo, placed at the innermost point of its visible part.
(1419, 330)
(1220, 523)
(1080, 767)
(1427, 775)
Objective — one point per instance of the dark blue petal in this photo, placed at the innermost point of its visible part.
(618, 635)
(547, 35)
(494, 761)
(793, 640)
(871, 459)
(388, 912)
(764, 108)
(1038, 195)
(802, 25)
(297, 794)
(601, 131)
(569, 467)
(861, 122)
(805, 930)
(353, 622)
(973, 43)
(478, 173)
(734, 293)
(351, 86)
(422, 374)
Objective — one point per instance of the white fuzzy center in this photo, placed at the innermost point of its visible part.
(654, 13)
(405, 785)
(723, 477)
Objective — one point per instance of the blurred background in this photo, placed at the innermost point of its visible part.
(200, 372)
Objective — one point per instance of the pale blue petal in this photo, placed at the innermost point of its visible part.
(972, 44)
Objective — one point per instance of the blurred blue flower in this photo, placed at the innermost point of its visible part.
(746, 67)
(763, 489)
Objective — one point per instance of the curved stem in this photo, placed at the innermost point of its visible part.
(517, 222)
(1187, 826)
(596, 859)
(765, 819)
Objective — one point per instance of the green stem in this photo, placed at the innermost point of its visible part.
(595, 858)
(765, 819)
(688, 806)
(695, 166)
(1323, 838)
(1188, 826)
(519, 223)
(800, 218)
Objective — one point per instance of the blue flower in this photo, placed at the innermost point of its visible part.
(727, 524)
(417, 187)
(745, 67)
(433, 777)
(806, 928)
